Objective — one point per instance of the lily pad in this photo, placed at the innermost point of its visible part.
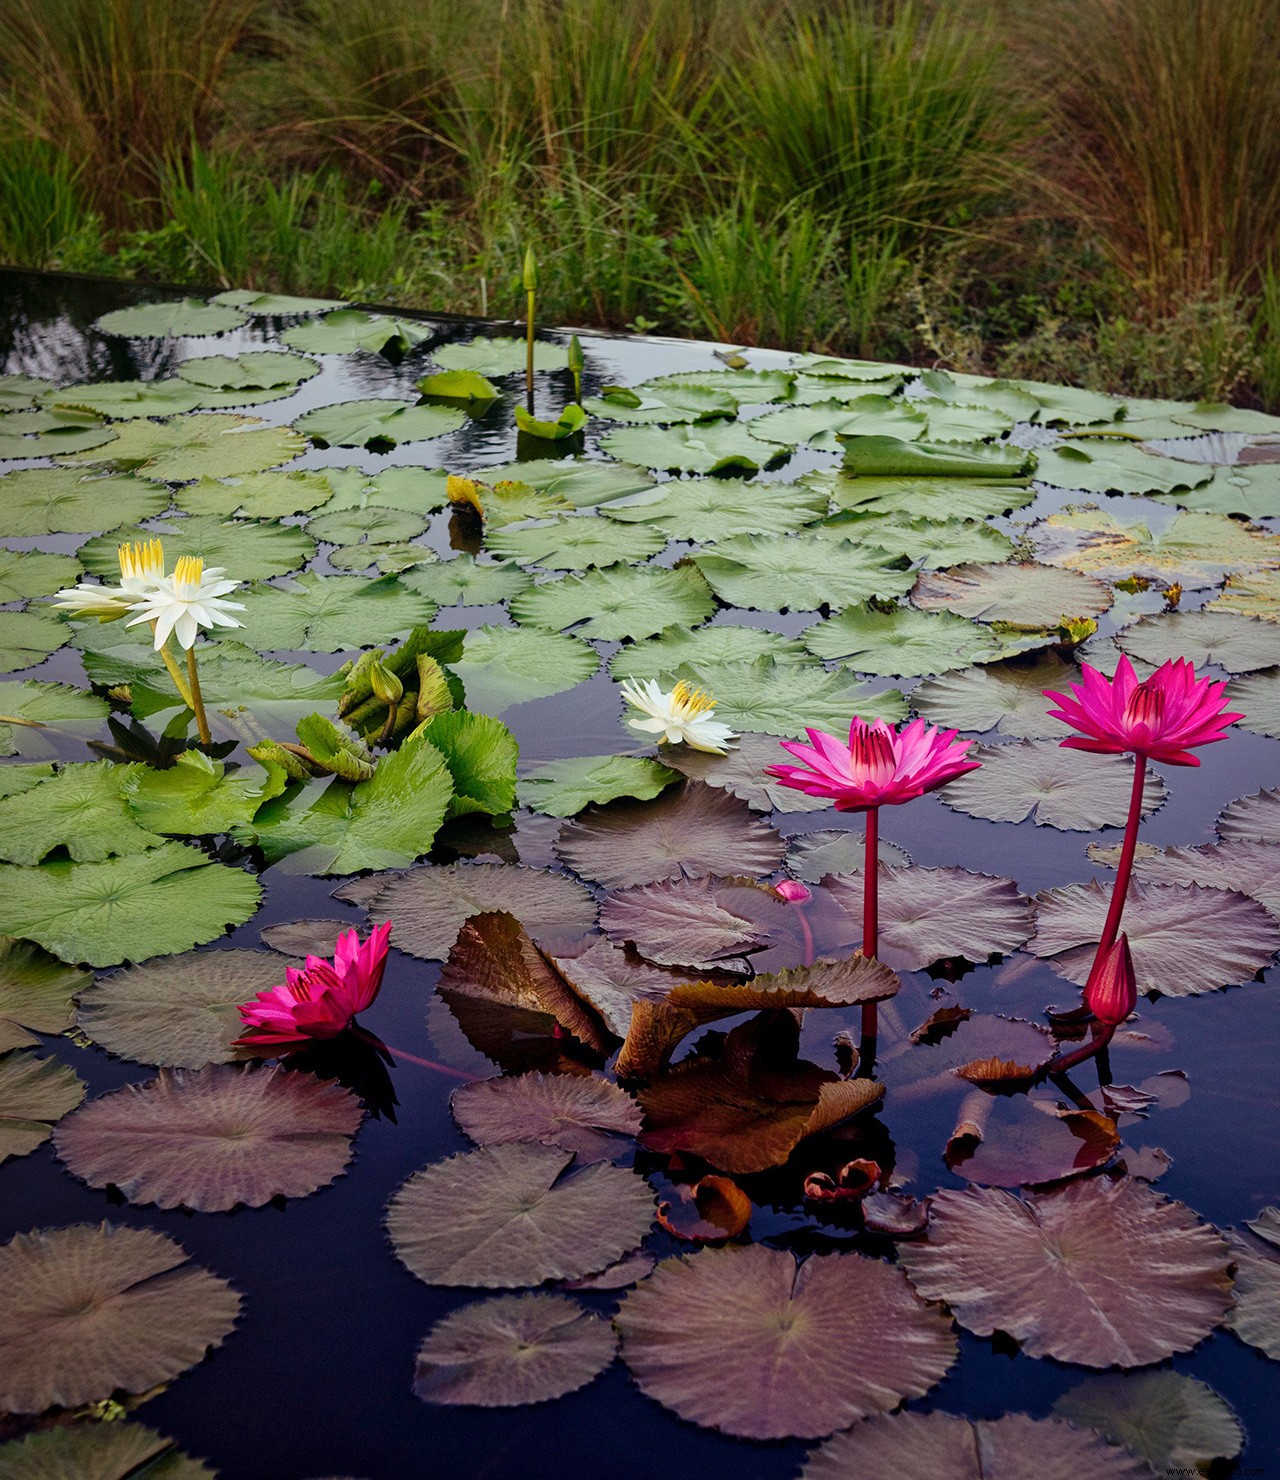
(430, 905)
(799, 572)
(87, 1310)
(574, 543)
(179, 1013)
(25, 573)
(501, 355)
(99, 1451)
(1259, 696)
(506, 1216)
(927, 543)
(802, 1349)
(374, 524)
(703, 924)
(1114, 466)
(1253, 492)
(1255, 818)
(1100, 1273)
(61, 433)
(122, 400)
(148, 904)
(1237, 644)
(702, 509)
(389, 559)
(964, 1046)
(199, 445)
(581, 482)
(34, 1094)
(270, 495)
(1018, 595)
(1005, 697)
(901, 642)
(256, 370)
(891, 457)
(27, 639)
(40, 501)
(186, 317)
(1016, 1141)
(935, 914)
(743, 772)
(576, 1112)
(613, 982)
(945, 1446)
(707, 447)
(512, 1350)
(465, 581)
(211, 1139)
(623, 602)
(920, 497)
(249, 550)
(348, 329)
(747, 387)
(18, 392)
(1253, 595)
(696, 829)
(36, 992)
(1068, 789)
(502, 666)
(710, 645)
(327, 614)
(1194, 550)
(28, 706)
(81, 809)
(1173, 951)
(1256, 1316)
(824, 424)
(378, 424)
(1174, 1422)
(812, 856)
(198, 797)
(1251, 868)
(671, 405)
(563, 788)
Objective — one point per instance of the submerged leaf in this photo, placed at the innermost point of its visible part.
(1173, 1421)
(98, 1451)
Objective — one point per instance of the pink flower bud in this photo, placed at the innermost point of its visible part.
(792, 892)
(1111, 992)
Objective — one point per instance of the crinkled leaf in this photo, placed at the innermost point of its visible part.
(348, 329)
(1251, 868)
(613, 982)
(710, 645)
(99, 1451)
(703, 924)
(563, 788)
(1016, 1141)
(1256, 1316)
(743, 771)
(481, 755)
(1238, 644)
(576, 1112)
(575, 542)
(1255, 818)
(465, 581)
(901, 642)
(1019, 595)
(943, 1055)
(799, 572)
(783, 698)
(890, 457)
(825, 424)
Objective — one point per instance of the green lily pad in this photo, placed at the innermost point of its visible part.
(1250, 491)
(376, 524)
(1254, 595)
(576, 542)
(502, 666)
(622, 602)
(742, 772)
(466, 581)
(249, 550)
(99, 1451)
(198, 797)
(390, 560)
(20, 392)
(27, 706)
(747, 387)
(1115, 466)
(1032, 596)
(185, 317)
(147, 904)
(378, 424)
(974, 392)
(274, 305)
(901, 643)
(52, 434)
(1172, 1421)
(348, 329)
(256, 370)
(199, 445)
(929, 543)
(824, 424)
(25, 573)
(40, 501)
(799, 572)
(703, 646)
(670, 406)
(890, 457)
(414, 490)
(701, 509)
(920, 497)
(1194, 550)
(81, 809)
(707, 447)
(1238, 644)
(1006, 697)
(328, 614)
(27, 638)
(36, 993)
(1070, 405)
(580, 481)
(563, 788)
(459, 385)
(270, 495)
(785, 698)
(34, 1094)
(123, 400)
(500, 355)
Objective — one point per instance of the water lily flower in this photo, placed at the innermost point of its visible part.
(878, 766)
(321, 998)
(141, 566)
(686, 714)
(186, 601)
(107, 603)
(1161, 719)
(1111, 992)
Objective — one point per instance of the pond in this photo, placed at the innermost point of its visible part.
(814, 538)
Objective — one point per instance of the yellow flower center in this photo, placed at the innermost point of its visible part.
(143, 561)
(691, 701)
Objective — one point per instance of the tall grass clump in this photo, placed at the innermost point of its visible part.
(117, 86)
(1166, 136)
(41, 204)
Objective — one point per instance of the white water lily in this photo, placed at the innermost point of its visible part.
(685, 715)
(141, 566)
(186, 601)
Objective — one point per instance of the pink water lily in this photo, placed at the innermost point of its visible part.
(1161, 718)
(320, 999)
(878, 767)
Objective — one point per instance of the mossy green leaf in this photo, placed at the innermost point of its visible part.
(481, 754)
(707, 447)
(466, 581)
(197, 796)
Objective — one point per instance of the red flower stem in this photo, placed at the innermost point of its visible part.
(871, 917)
(1124, 870)
(410, 1058)
(1102, 1035)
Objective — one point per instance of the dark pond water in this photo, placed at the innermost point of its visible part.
(316, 1379)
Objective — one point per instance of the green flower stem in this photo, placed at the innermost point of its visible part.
(871, 925)
(197, 698)
(175, 673)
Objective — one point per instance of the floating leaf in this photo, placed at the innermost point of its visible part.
(273, 304)
(1259, 696)
(1255, 818)
(500, 355)
(502, 666)
(1251, 868)
(481, 755)
(186, 317)
(85, 1311)
(707, 447)
(1253, 595)
(430, 905)
(211, 1139)
(17, 392)
(563, 788)
(824, 424)
(34, 1093)
(199, 445)
(1005, 697)
(1172, 951)
(197, 796)
(459, 385)
(799, 572)
(125, 399)
(1193, 550)
(27, 638)
(270, 495)
(376, 524)
(622, 602)
(1176, 1423)
(511, 1350)
(257, 370)
(934, 914)
(801, 1349)
(701, 509)
(1256, 1316)
(629, 1270)
(693, 830)
(945, 1446)
(711, 645)
(901, 642)
(51, 434)
(465, 581)
(782, 698)
(927, 497)
(148, 904)
(575, 542)
(581, 482)
(304, 937)
(673, 404)
(702, 923)
(26, 573)
(81, 809)
(327, 614)
(1019, 1141)
(1019, 595)
(98, 1451)
(1068, 789)
(27, 706)
(506, 1216)
(1114, 466)
(1100, 1273)
(1238, 644)
(948, 1048)
(747, 387)
(180, 1013)
(742, 772)
(247, 550)
(812, 856)
(378, 424)
(928, 543)
(612, 982)
(568, 424)
(890, 457)
(712, 1210)
(576, 1112)
(347, 330)
(1251, 492)
(392, 559)
(36, 992)
(40, 501)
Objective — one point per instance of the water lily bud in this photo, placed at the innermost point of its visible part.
(792, 892)
(386, 685)
(1111, 993)
(577, 360)
(530, 271)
